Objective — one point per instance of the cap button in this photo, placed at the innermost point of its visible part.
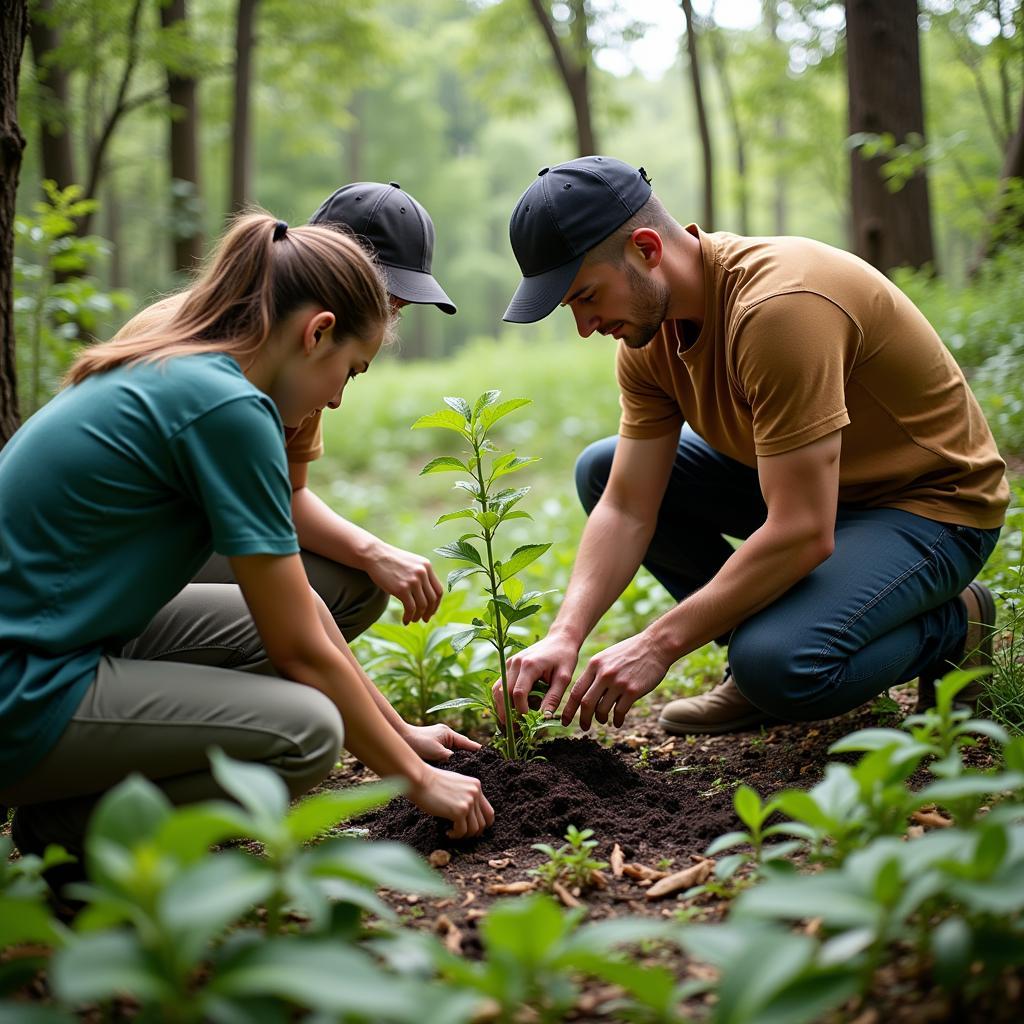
(543, 170)
(394, 184)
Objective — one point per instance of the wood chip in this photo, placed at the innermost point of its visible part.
(813, 927)
(440, 859)
(685, 879)
(617, 860)
(475, 913)
(441, 904)
(469, 897)
(666, 748)
(509, 888)
(642, 871)
(931, 820)
(598, 879)
(412, 899)
(915, 831)
(645, 882)
(500, 862)
(565, 896)
(452, 935)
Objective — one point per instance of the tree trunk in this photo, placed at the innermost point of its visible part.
(702, 117)
(13, 28)
(354, 140)
(184, 155)
(56, 152)
(884, 75)
(241, 148)
(780, 142)
(721, 61)
(1006, 221)
(573, 69)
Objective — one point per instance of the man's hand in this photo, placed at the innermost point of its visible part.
(616, 679)
(436, 742)
(409, 577)
(550, 661)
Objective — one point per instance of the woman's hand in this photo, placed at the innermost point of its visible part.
(407, 576)
(459, 798)
(436, 742)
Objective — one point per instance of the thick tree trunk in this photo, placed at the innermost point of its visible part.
(13, 28)
(702, 118)
(58, 159)
(721, 61)
(884, 75)
(573, 69)
(184, 155)
(241, 147)
(780, 198)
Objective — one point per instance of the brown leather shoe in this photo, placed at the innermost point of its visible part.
(981, 627)
(722, 709)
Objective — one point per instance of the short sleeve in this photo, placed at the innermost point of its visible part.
(791, 358)
(305, 443)
(648, 410)
(232, 459)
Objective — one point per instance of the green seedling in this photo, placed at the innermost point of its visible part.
(494, 505)
(571, 863)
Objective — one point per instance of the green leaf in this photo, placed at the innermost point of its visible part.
(728, 866)
(446, 419)
(748, 807)
(513, 465)
(316, 814)
(952, 947)
(971, 786)
(460, 702)
(513, 590)
(504, 500)
(521, 558)
(259, 789)
(26, 921)
(129, 813)
(97, 967)
(460, 574)
(381, 864)
(486, 399)
(402, 636)
(190, 831)
(462, 550)
(524, 929)
(727, 842)
(491, 415)
(466, 637)
(463, 513)
(444, 464)
(461, 406)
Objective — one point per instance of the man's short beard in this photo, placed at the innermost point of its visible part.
(648, 307)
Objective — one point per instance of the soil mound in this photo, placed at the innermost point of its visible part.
(580, 783)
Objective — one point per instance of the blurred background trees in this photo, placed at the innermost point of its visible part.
(894, 129)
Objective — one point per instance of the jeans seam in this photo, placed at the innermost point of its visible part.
(830, 644)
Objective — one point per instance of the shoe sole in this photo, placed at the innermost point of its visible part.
(986, 620)
(736, 725)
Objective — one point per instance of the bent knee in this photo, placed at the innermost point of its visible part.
(319, 735)
(593, 467)
(772, 676)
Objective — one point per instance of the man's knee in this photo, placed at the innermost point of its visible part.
(317, 744)
(771, 674)
(592, 470)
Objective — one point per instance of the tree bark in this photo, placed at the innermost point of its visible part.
(241, 147)
(13, 29)
(184, 154)
(56, 152)
(720, 59)
(573, 69)
(884, 76)
(702, 117)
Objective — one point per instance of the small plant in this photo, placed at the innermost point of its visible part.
(571, 863)
(507, 603)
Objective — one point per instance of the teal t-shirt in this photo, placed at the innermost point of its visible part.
(112, 497)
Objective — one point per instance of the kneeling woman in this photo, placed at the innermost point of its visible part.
(165, 447)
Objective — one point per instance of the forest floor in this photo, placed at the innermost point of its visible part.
(655, 802)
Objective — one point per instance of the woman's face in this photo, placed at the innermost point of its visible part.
(318, 368)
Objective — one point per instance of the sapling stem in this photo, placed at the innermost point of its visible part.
(510, 733)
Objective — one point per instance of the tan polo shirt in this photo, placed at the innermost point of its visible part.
(303, 443)
(800, 339)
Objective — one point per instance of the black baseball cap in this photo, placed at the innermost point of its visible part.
(399, 231)
(568, 209)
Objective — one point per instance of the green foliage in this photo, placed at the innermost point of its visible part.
(55, 298)
(172, 925)
(508, 602)
(414, 665)
(571, 863)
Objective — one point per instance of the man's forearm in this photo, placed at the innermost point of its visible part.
(768, 563)
(610, 552)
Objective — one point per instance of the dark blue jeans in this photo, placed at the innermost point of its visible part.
(876, 613)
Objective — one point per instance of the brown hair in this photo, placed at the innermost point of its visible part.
(250, 283)
(651, 215)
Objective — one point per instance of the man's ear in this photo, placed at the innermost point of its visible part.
(648, 244)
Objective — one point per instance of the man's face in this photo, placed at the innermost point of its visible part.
(622, 301)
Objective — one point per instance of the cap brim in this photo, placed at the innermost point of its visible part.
(538, 296)
(415, 286)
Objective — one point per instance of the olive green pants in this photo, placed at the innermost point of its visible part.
(196, 678)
